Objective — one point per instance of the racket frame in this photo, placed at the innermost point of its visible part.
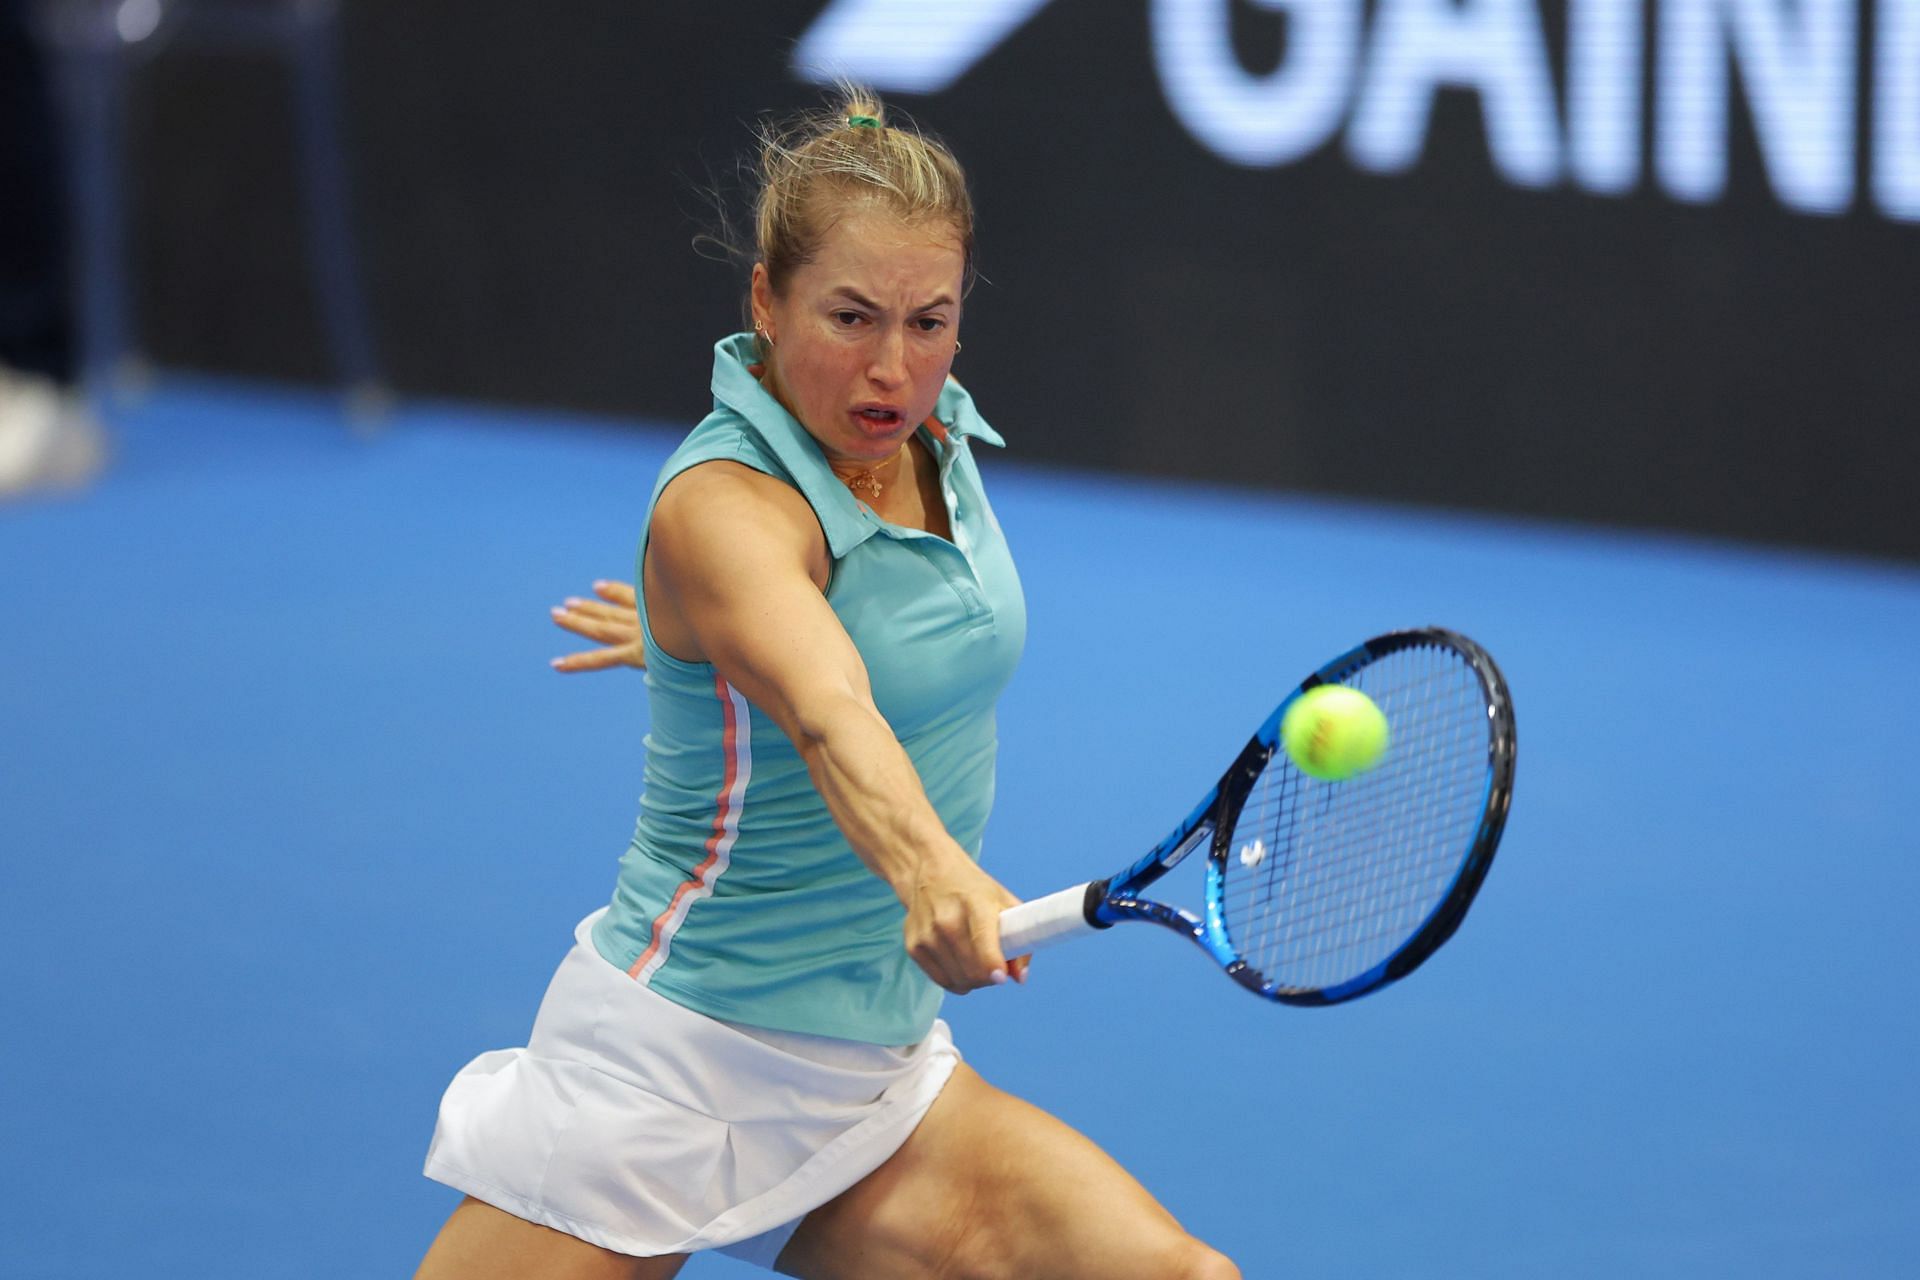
(1105, 903)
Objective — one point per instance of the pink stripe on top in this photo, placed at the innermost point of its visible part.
(737, 743)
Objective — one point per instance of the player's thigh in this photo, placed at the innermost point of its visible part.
(989, 1186)
(480, 1242)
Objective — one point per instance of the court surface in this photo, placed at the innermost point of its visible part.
(294, 819)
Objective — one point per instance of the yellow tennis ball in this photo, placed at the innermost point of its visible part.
(1333, 732)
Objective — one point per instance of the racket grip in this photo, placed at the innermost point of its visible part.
(1041, 922)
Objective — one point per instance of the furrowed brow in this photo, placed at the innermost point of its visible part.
(862, 300)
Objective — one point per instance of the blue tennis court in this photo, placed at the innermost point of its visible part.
(296, 820)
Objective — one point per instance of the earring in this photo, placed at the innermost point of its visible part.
(957, 344)
(762, 331)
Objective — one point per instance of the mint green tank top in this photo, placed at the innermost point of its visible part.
(738, 896)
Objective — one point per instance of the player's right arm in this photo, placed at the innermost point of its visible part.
(735, 571)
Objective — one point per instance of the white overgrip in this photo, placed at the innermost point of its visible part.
(1042, 922)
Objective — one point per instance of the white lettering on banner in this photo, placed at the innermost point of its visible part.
(1797, 62)
(1896, 109)
(1799, 78)
(1492, 46)
(914, 46)
(1603, 94)
(1257, 120)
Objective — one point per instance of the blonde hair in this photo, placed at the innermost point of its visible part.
(816, 167)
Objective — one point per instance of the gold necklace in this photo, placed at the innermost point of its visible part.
(866, 481)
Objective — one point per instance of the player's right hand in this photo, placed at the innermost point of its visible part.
(953, 926)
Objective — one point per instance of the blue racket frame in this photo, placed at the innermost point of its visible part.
(1118, 899)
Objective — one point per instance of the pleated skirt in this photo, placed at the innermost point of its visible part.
(641, 1126)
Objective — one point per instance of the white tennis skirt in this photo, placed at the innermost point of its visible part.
(640, 1126)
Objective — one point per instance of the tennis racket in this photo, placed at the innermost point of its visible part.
(1320, 892)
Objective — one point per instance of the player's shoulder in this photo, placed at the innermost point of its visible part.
(722, 499)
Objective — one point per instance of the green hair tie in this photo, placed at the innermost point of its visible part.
(862, 122)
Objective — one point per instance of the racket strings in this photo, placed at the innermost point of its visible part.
(1324, 881)
(1348, 881)
(1390, 892)
(1397, 891)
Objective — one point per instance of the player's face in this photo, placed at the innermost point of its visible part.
(864, 334)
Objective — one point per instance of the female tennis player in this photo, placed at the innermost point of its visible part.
(742, 1051)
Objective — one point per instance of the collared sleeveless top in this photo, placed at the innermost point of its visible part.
(738, 896)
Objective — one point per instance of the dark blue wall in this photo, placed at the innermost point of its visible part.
(1449, 327)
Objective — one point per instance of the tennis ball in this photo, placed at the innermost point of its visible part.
(1333, 732)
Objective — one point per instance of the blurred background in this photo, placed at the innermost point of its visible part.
(339, 340)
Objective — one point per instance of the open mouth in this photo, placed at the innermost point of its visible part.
(879, 417)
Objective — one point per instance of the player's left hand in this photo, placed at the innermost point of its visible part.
(613, 621)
